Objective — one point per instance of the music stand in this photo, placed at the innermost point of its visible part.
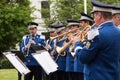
(47, 35)
(20, 55)
(45, 60)
(38, 48)
(17, 63)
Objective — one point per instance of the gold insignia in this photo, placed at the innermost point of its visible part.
(88, 44)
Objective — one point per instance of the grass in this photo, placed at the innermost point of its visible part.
(8, 74)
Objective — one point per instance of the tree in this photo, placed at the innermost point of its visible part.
(66, 9)
(13, 17)
(71, 9)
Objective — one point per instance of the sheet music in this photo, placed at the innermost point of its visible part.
(46, 62)
(17, 63)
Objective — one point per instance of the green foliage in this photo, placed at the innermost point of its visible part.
(13, 17)
(45, 12)
(63, 10)
(68, 9)
(5, 64)
(71, 9)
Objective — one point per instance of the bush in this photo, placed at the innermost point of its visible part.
(5, 64)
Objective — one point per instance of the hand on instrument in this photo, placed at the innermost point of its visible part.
(32, 41)
(76, 39)
(27, 46)
(48, 47)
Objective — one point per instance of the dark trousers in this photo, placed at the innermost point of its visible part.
(70, 76)
(19, 76)
(61, 75)
(36, 71)
(53, 76)
(77, 76)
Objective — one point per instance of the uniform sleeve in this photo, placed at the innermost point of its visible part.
(89, 52)
(22, 46)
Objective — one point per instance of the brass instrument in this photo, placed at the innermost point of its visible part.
(83, 33)
(52, 38)
(61, 50)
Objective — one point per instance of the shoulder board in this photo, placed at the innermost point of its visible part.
(24, 37)
(42, 36)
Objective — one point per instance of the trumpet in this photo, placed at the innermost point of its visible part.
(52, 38)
(83, 33)
(61, 50)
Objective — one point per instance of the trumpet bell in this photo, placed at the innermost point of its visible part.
(60, 52)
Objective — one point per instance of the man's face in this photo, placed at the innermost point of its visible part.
(73, 27)
(97, 18)
(116, 19)
(52, 34)
(83, 24)
(32, 31)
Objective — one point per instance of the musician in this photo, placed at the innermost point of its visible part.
(61, 60)
(116, 18)
(116, 15)
(101, 57)
(72, 25)
(28, 40)
(85, 20)
(52, 43)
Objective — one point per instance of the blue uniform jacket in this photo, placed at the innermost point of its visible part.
(78, 66)
(69, 61)
(102, 57)
(39, 41)
(52, 44)
(61, 61)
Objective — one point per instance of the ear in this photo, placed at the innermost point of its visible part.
(99, 15)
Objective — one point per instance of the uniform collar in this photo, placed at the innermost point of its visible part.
(105, 24)
(118, 26)
(34, 35)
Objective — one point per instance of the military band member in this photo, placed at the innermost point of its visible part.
(28, 40)
(116, 15)
(101, 57)
(61, 60)
(72, 25)
(116, 18)
(52, 43)
(85, 21)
